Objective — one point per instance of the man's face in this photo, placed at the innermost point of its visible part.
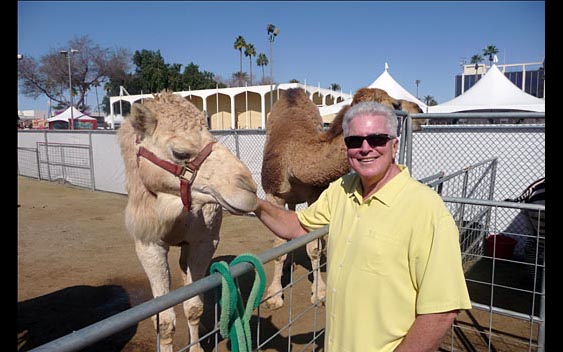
(371, 162)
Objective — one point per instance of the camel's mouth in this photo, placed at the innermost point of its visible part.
(236, 209)
(244, 202)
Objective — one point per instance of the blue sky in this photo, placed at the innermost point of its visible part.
(320, 42)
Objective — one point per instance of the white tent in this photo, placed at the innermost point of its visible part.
(65, 116)
(394, 89)
(494, 91)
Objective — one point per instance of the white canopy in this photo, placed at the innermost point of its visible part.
(394, 89)
(65, 116)
(494, 91)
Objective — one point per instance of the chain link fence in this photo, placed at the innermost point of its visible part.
(474, 166)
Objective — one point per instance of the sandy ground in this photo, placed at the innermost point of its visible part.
(77, 265)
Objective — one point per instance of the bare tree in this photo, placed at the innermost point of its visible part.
(90, 66)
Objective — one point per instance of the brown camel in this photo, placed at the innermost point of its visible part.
(378, 95)
(413, 108)
(178, 178)
(292, 176)
(381, 96)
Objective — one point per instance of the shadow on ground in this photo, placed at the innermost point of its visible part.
(49, 317)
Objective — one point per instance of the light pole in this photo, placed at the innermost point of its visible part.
(273, 31)
(417, 82)
(68, 53)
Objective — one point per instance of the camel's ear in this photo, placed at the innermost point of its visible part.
(143, 120)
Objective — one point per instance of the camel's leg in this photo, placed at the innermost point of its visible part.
(194, 261)
(274, 291)
(154, 259)
(318, 288)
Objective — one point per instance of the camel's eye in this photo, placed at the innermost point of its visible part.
(180, 155)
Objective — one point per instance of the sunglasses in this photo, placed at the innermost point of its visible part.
(374, 140)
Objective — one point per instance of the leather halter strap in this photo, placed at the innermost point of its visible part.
(180, 170)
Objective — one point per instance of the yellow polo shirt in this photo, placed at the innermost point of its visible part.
(390, 257)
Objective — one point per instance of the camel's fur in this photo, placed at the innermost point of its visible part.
(175, 130)
(381, 96)
(376, 94)
(413, 108)
(299, 162)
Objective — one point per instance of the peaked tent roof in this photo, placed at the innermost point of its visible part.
(394, 89)
(494, 91)
(65, 116)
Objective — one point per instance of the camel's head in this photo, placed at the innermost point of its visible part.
(377, 95)
(175, 131)
(410, 107)
(413, 108)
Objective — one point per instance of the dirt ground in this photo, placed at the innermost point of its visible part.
(77, 265)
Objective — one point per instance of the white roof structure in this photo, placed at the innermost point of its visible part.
(385, 82)
(76, 114)
(334, 108)
(394, 89)
(494, 91)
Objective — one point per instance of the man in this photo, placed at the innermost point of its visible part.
(394, 276)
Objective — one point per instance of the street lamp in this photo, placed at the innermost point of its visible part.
(68, 53)
(273, 31)
(417, 82)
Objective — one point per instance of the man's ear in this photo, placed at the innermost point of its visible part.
(143, 120)
(395, 147)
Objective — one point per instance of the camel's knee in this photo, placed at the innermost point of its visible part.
(165, 324)
(314, 250)
(194, 312)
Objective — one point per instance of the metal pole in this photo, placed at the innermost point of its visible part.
(271, 72)
(68, 53)
(70, 90)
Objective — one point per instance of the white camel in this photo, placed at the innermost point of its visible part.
(178, 178)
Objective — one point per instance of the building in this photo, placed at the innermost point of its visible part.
(231, 108)
(530, 77)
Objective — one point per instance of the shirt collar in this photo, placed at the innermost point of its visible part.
(388, 192)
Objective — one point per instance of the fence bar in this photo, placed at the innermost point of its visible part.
(495, 203)
(480, 115)
(111, 325)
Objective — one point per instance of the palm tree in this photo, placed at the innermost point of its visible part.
(240, 43)
(262, 61)
(491, 51)
(430, 101)
(294, 80)
(334, 86)
(476, 59)
(239, 78)
(250, 52)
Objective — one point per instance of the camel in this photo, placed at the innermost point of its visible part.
(177, 179)
(292, 176)
(376, 94)
(381, 96)
(413, 108)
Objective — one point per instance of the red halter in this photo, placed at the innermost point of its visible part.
(180, 170)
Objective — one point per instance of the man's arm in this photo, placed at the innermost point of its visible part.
(427, 332)
(283, 223)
